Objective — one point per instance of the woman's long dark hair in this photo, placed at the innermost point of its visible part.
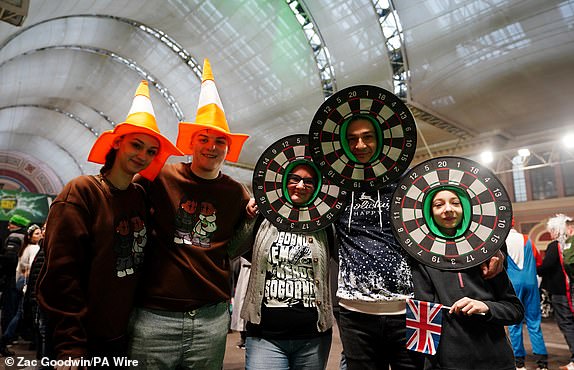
(110, 159)
(28, 238)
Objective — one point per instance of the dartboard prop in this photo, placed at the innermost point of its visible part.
(396, 131)
(269, 189)
(485, 231)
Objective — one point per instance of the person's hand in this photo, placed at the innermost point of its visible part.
(493, 266)
(251, 209)
(468, 306)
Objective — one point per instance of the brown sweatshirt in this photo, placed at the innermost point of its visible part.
(193, 219)
(95, 238)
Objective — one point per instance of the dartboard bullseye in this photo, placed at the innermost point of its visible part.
(483, 232)
(395, 134)
(269, 188)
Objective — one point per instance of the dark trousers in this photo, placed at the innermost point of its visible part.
(564, 319)
(376, 341)
(9, 306)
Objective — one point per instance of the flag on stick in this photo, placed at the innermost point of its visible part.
(424, 323)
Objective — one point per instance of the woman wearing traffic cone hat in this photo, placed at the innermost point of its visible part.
(197, 211)
(141, 118)
(96, 234)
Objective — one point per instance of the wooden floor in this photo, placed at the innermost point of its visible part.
(235, 357)
(558, 353)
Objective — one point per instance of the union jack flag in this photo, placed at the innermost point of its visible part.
(424, 321)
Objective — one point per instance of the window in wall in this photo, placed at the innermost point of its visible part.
(519, 179)
(568, 177)
(543, 180)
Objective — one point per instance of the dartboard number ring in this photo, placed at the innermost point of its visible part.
(396, 136)
(488, 225)
(269, 188)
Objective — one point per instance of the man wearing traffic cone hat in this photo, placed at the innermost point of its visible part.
(210, 115)
(197, 210)
(96, 234)
(141, 118)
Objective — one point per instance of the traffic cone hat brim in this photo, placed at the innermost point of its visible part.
(210, 116)
(141, 119)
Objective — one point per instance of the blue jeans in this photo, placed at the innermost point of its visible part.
(10, 300)
(376, 341)
(169, 340)
(285, 354)
(10, 332)
(564, 319)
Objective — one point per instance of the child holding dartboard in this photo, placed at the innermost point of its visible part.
(473, 334)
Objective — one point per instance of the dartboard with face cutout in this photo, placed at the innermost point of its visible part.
(273, 173)
(486, 213)
(363, 161)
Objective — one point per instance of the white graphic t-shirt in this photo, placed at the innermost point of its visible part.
(289, 280)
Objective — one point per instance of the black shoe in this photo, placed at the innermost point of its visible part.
(5, 352)
(519, 362)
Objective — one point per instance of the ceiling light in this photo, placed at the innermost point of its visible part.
(486, 157)
(524, 152)
(568, 141)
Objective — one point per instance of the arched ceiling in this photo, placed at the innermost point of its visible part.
(481, 74)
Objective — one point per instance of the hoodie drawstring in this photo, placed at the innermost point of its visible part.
(351, 211)
(380, 211)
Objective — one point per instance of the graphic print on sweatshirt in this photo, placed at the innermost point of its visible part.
(289, 279)
(130, 241)
(194, 223)
(372, 265)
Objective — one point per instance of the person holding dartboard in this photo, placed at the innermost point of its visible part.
(364, 138)
(288, 300)
(453, 227)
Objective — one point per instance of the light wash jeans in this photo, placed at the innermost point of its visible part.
(285, 354)
(184, 340)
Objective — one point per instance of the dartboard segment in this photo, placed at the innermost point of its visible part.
(397, 137)
(488, 226)
(269, 189)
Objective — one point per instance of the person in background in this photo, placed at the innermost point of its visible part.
(96, 233)
(287, 305)
(374, 271)
(26, 255)
(473, 334)
(334, 276)
(17, 225)
(237, 323)
(523, 257)
(568, 255)
(555, 281)
(182, 318)
(33, 312)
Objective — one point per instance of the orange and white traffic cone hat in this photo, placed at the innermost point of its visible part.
(141, 119)
(210, 115)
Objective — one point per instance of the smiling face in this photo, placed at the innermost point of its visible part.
(362, 139)
(301, 184)
(135, 152)
(447, 211)
(209, 151)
